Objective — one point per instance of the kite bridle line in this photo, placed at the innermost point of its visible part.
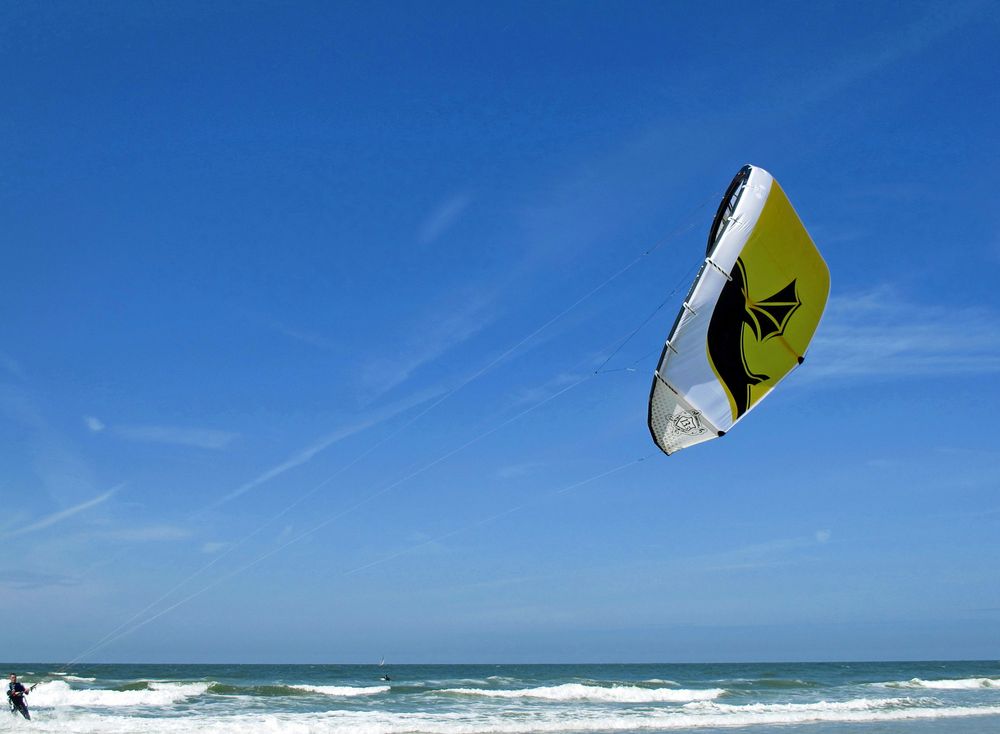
(600, 370)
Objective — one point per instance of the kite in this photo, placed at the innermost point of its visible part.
(747, 319)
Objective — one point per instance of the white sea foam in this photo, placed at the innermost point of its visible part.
(857, 704)
(857, 710)
(580, 692)
(944, 685)
(509, 721)
(661, 681)
(343, 690)
(58, 693)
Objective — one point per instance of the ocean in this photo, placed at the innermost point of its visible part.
(819, 698)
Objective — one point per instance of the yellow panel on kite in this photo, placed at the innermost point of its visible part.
(767, 313)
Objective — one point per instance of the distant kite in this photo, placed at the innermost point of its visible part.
(747, 320)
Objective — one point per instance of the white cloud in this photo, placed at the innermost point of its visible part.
(212, 547)
(546, 390)
(442, 218)
(21, 579)
(151, 533)
(877, 333)
(780, 552)
(927, 28)
(823, 536)
(93, 424)
(307, 337)
(10, 365)
(203, 438)
(512, 471)
(429, 339)
(299, 334)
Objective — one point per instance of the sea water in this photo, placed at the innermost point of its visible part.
(819, 698)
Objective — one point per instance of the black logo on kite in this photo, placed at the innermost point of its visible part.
(688, 423)
(766, 318)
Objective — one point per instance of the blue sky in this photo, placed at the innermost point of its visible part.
(280, 373)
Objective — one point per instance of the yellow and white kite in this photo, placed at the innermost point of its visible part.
(747, 320)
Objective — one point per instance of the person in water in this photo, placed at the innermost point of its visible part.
(15, 694)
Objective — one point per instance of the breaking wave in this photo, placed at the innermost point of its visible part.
(580, 692)
(343, 690)
(58, 693)
(278, 690)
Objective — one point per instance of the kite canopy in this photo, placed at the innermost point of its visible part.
(747, 320)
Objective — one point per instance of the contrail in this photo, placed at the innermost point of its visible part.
(64, 514)
(306, 454)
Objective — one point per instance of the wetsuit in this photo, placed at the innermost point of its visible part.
(15, 694)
